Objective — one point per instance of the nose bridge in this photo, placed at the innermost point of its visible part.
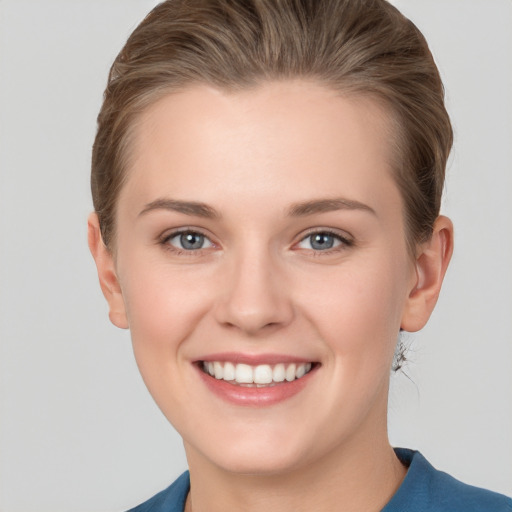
(254, 297)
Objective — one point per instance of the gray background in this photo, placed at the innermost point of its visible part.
(78, 430)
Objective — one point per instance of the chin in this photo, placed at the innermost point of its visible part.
(252, 455)
(259, 464)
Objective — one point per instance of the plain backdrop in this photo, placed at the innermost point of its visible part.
(78, 430)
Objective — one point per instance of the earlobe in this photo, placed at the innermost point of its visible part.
(430, 265)
(106, 273)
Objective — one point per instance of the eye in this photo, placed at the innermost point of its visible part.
(188, 241)
(322, 241)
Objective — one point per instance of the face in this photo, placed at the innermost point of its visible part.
(263, 271)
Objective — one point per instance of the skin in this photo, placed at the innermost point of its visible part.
(258, 286)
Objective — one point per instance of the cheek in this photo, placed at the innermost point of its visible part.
(358, 309)
(163, 305)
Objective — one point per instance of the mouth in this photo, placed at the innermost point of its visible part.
(256, 380)
(256, 376)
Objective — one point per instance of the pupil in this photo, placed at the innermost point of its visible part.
(322, 241)
(191, 240)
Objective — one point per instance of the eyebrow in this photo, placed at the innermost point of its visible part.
(327, 205)
(187, 207)
(301, 209)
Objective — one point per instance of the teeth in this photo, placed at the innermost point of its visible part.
(299, 372)
(244, 374)
(279, 373)
(218, 370)
(290, 373)
(229, 371)
(260, 375)
(263, 374)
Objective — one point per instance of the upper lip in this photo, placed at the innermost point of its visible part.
(253, 359)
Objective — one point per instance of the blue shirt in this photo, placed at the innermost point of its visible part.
(424, 489)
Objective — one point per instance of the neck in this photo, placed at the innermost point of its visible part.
(356, 479)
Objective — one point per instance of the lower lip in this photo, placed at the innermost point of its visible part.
(254, 396)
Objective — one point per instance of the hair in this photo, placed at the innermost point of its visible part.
(357, 47)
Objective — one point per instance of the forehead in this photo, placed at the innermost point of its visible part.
(279, 137)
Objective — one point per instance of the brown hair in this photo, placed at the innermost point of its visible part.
(354, 46)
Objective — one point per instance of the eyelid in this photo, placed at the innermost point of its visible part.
(345, 238)
(169, 234)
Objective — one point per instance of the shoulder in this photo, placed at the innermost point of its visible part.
(171, 499)
(430, 490)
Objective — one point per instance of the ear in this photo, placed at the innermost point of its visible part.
(106, 273)
(431, 263)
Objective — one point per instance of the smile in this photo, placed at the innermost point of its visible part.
(262, 375)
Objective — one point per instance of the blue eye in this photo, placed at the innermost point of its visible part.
(322, 241)
(189, 241)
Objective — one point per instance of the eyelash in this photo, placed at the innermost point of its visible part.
(344, 242)
(164, 241)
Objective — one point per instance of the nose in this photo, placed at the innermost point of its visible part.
(255, 297)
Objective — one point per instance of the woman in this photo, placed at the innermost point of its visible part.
(267, 178)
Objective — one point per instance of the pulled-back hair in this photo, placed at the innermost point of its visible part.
(361, 47)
